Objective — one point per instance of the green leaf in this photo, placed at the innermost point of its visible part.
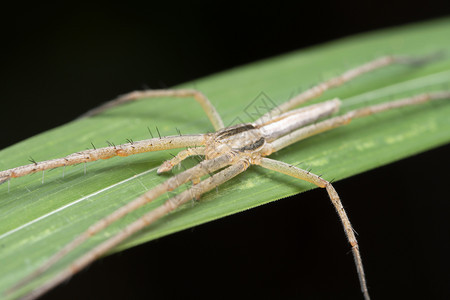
(37, 218)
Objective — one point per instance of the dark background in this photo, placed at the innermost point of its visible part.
(60, 60)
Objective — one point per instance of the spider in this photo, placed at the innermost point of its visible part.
(228, 152)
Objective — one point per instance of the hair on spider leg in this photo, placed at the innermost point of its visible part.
(158, 132)
(308, 166)
(110, 144)
(32, 161)
(298, 164)
(149, 131)
(130, 141)
(93, 146)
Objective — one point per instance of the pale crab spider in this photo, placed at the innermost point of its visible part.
(228, 152)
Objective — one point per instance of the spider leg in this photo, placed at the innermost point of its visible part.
(156, 144)
(182, 155)
(319, 89)
(146, 220)
(320, 182)
(334, 122)
(203, 168)
(297, 118)
(207, 106)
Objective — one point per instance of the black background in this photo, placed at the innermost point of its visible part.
(60, 60)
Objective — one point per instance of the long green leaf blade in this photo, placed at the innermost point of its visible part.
(38, 219)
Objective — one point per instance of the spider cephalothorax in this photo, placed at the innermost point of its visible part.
(239, 138)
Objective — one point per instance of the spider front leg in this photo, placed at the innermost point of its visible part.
(320, 182)
(156, 144)
(207, 106)
(131, 148)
